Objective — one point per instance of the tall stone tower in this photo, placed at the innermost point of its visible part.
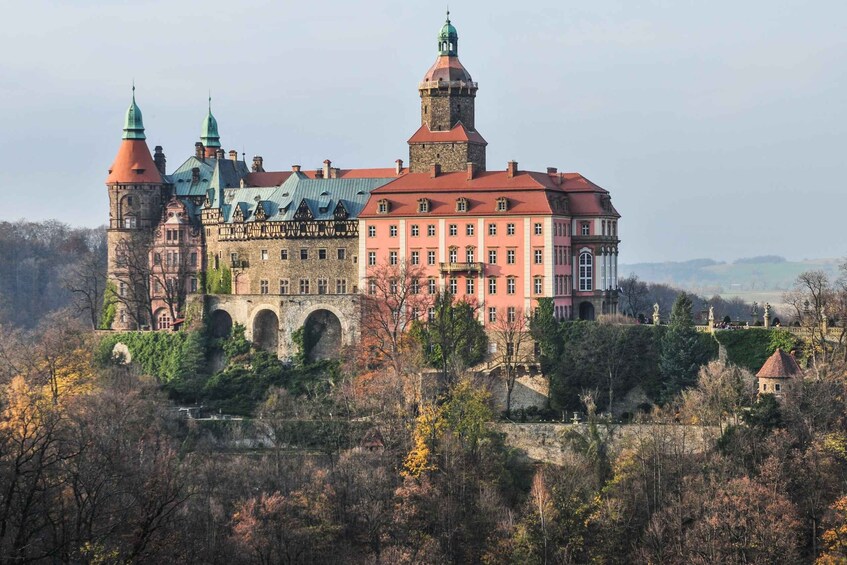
(447, 136)
(136, 195)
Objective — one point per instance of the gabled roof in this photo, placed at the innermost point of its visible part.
(459, 133)
(134, 164)
(276, 178)
(780, 365)
(215, 174)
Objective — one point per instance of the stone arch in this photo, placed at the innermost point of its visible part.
(586, 311)
(323, 334)
(220, 323)
(266, 330)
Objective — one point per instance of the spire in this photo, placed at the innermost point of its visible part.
(209, 133)
(133, 126)
(448, 39)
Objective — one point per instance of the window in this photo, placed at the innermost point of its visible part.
(510, 229)
(462, 205)
(469, 229)
(122, 289)
(392, 231)
(454, 286)
(454, 255)
(492, 314)
(340, 286)
(510, 285)
(342, 254)
(538, 285)
(510, 314)
(264, 254)
(192, 284)
(423, 206)
(539, 256)
(469, 285)
(430, 257)
(492, 229)
(415, 258)
(454, 229)
(415, 230)
(129, 222)
(157, 258)
(392, 257)
(430, 286)
(586, 228)
(304, 254)
(233, 257)
(430, 314)
(764, 387)
(470, 256)
(371, 286)
(382, 206)
(538, 229)
(492, 285)
(283, 286)
(492, 256)
(371, 231)
(415, 287)
(393, 287)
(502, 204)
(416, 313)
(585, 271)
(283, 254)
(430, 230)
(510, 256)
(777, 387)
(263, 287)
(510, 346)
(371, 258)
(322, 285)
(304, 286)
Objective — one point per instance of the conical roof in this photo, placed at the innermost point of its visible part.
(780, 365)
(209, 132)
(133, 125)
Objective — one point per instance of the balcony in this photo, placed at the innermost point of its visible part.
(461, 267)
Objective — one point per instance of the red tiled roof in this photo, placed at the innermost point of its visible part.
(447, 68)
(458, 133)
(780, 365)
(133, 164)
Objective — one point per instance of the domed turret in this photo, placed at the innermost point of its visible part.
(448, 39)
(209, 133)
(133, 126)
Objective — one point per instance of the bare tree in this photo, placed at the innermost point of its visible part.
(633, 295)
(511, 332)
(169, 272)
(87, 282)
(132, 277)
(811, 300)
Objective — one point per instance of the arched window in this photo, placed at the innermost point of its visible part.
(461, 204)
(382, 206)
(423, 205)
(586, 271)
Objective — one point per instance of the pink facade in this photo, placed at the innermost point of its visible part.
(501, 239)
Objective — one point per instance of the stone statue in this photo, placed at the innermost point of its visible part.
(711, 314)
(656, 318)
(767, 314)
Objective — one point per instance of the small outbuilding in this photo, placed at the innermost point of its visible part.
(779, 374)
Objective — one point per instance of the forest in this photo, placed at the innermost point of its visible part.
(364, 461)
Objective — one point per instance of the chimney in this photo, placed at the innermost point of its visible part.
(257, 164)
(327, 168)
(220, 154)
(471, 171)
(295, 168)
(319, 173)
(398, 167)
(199, 150)
(233, 155)
(159, 159)
(436, 170)
(195, 175)
(512, 168)
(552, 171)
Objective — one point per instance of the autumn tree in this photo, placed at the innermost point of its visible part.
(721, 393)
(514, 348)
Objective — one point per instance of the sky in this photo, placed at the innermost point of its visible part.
(718, 127)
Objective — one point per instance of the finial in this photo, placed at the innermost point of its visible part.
(133, 89)
(448, 13)
(210, 101)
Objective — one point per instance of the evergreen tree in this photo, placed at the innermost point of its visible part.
(681, 350)
(546, 332)
(454, 339)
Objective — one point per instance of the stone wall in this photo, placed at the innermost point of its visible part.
(441, 109)
(451, 156)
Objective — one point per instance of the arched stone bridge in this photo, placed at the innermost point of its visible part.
(330, 321)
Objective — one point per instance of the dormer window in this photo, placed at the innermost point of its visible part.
(423, 206)
(382, 206)
(502, 204)
(461, 204)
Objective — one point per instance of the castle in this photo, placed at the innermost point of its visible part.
(280, 250)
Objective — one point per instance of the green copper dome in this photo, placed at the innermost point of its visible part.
(448, 39)
(133, 127)
(209, 133)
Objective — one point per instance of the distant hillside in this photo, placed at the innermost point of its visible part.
(751, 277)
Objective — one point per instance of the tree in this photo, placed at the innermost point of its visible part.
(545, 330)
(132, 276)
(391, 304)
(633, 294)
(511, 334)
(721, 392)
(681, 354)
(170, 271)
(86, 279)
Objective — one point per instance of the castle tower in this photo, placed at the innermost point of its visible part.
(209, 135)
(136, 195)
(447, 136)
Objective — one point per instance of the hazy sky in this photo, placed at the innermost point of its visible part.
(719, 127)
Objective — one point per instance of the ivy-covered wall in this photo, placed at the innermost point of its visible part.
(164, 355)
(751, 348)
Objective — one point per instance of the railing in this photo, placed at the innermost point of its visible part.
(461, 267)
